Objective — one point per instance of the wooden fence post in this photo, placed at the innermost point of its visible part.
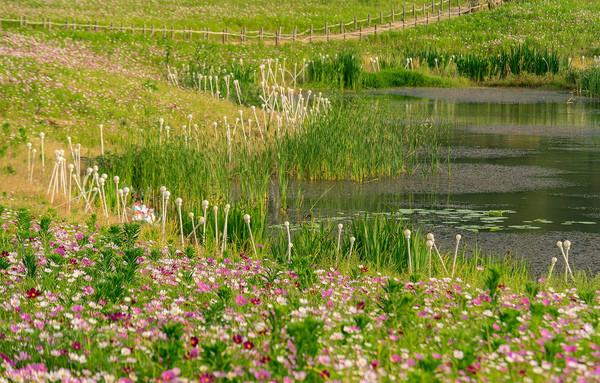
(403, 15)
(354, 23)
(172, 32)
(261, 34)
(380, 17)
(375, 33)
(360, 32)
(310, 37)
(414, 14)
(393, 15)
(432, 5)
(326, 32)
(427, 19)
(295, 33)
(224, 35)
(276, 37)
(369, 20)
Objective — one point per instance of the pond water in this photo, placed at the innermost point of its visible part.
(525, 172)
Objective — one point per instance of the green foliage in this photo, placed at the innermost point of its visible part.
(381, 242)
(492, 281)
(532, 288)
(588, 295)
(155, 254)
(123, 235)
(352, 132)
(313, 243)
(4, 263)
(45, 222)
(343, 70)
(169, 351)
(587, 81)
(524, 58)
(305, 335)
(30, 263)
(113, 274)
(214, 313)
(23, 225)
(189, 251)
(398, 77)
(131, 232)
(397, 304)
(110, 287)
(91, 222)
(215, 356)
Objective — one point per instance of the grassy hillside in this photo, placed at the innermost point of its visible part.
(212, 14)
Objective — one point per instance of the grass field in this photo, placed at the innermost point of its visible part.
(215, 15)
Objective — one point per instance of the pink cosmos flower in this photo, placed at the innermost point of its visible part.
(87, 290)
(240, 300)
(170, 375)
(262, 375)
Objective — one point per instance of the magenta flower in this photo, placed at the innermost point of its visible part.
(255, 301)
(240, 300)
(170, 375)
(87, 290)
(33, 293)
(262, 375)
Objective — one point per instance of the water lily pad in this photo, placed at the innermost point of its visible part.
(524, 227)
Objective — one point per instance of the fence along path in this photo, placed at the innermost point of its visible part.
(406, 17)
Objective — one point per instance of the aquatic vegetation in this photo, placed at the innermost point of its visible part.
(343, 70)
(586, 81)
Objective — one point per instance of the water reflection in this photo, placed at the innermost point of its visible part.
(532, 153)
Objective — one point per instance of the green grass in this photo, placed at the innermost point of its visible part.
(398, 77)
(212, 14)
(570, 27)
(586, 81)
(563, 28)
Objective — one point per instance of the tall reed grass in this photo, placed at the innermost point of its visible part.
(586, 81)
(342, 70)
(363, 140)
